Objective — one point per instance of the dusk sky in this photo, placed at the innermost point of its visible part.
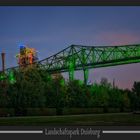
(51, 29)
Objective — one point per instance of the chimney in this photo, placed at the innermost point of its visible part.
(3, 61)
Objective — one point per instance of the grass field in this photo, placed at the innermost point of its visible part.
(92, 119)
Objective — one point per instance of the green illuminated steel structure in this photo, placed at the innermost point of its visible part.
(78, 57)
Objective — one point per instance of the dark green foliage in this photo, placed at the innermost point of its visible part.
(35, 88)
(77, 94)
(136, 88)
(136, 95)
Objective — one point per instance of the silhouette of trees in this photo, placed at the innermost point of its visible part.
(35, 88)
(136, 95)
(77, 94)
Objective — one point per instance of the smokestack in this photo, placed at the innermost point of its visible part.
(3, 61)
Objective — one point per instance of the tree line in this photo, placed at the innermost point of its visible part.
(35, 88)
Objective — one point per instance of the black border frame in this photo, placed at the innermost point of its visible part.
(69, 3)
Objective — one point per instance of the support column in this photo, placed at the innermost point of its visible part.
(85, 76)
(71, 71)
(71, 75)
(71, 66)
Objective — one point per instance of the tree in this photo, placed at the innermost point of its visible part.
(136, 91)
(136, 88)
(28, 91)
(115, 98)
(104, 82)
(77, 94)
(100, 96)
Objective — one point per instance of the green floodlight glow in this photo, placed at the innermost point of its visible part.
(62, 82)
(81, 82)
(12, 79)
(48, 78)
(71, 70)
(2, 76)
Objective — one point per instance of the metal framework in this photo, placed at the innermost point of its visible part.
(78, 57)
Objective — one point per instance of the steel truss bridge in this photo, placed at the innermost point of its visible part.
(78, 57)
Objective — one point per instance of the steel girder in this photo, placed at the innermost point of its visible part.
(79, 57)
